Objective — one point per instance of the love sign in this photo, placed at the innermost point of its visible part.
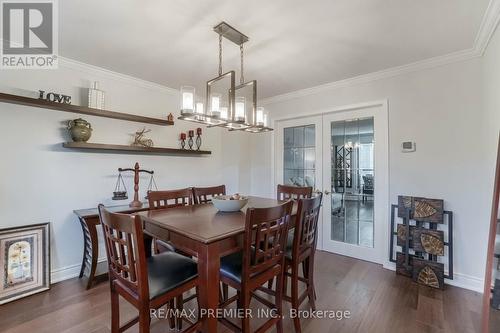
(53, 97)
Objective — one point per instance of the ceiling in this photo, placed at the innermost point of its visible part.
(294, 44)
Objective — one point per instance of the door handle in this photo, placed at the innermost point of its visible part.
(327, 192)
(317, 191)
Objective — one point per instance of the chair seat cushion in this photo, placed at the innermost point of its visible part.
(231, 266)
(169, 270)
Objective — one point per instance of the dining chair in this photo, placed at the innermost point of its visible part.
(261, 259)
(170, 198)
(285, 192)
(205, 194)
(145, 282)
(301, 250)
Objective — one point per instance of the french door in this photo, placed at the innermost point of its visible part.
(344, 154)
(300, 154)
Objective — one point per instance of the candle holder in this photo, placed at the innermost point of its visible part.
(198, 138)
(183, 140)
(190, 140)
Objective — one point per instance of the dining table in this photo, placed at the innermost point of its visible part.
(207, 234)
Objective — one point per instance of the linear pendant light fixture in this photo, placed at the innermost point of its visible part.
(226, 105)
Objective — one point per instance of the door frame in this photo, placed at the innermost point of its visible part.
(381, 234)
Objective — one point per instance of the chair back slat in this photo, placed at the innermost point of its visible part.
(286, 192)
(205, 194)
(125, 250)
(266, 231)
(306, 226)
(172, 198)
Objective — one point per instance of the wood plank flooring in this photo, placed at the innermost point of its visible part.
(378, 300)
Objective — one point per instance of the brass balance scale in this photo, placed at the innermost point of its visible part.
(120, 192)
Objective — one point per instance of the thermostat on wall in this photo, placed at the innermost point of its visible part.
(408, 147)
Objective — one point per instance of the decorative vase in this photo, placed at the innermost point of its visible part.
(80, 130)
(96, 97)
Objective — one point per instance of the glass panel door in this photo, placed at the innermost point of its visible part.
(352, 184)
(355, 183)
(299, 163)
(299, 159)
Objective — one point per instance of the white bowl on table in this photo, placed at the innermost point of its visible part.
(224, 203)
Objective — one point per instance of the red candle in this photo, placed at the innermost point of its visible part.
(191, 133)
(198, 131)
(183, 136)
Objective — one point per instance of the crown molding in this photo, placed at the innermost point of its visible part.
(106, 73)
(383, 74)
(488, 25)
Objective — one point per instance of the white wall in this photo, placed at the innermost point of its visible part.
(43, 182)
(491, 87)
(441, 110)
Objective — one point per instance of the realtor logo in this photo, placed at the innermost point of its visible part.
(29, 34)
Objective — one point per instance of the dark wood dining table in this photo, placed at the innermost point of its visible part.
(204, 232)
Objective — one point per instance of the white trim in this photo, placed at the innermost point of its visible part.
(489, 23)
(459, 280)
(326, 111)
(383, 74)
(68, 272)
(86, 68)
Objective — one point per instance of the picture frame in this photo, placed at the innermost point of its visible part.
(24, 261)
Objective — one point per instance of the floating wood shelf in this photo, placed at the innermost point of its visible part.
(134, 149)
(40, 103)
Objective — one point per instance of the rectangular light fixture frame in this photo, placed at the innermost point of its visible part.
(230, 33)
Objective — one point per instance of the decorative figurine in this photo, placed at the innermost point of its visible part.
(183, 140)
(198, 138)
(96, 97)
(80, 130)
(53, 97)
(190, 141)
(140, 140)
(170, 117)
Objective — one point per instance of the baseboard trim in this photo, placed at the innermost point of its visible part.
(460, 280)
(68, 272)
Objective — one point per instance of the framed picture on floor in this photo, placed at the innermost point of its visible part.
(24, 261)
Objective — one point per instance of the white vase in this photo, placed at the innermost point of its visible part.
(96, 97)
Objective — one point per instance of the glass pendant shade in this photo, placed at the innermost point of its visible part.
(239, 113)
(200, 108)
(261, 122)
(259, 117)
(187, 100)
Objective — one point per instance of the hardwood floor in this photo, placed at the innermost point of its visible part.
(378, 300)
